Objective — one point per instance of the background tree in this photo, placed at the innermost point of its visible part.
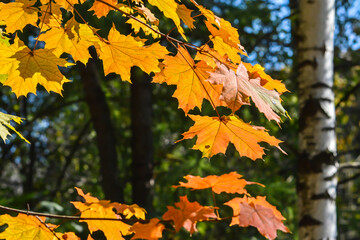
(318, 161)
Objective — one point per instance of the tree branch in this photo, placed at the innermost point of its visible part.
(349, 165)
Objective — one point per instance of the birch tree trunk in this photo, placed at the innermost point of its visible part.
(317, 164)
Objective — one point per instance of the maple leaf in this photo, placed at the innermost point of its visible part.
(94, 208)
(72, 39)
(224, 37)
(130, 210)
(18, 14)
(101, 9)
(229, 183)
(151, 231)
(189, 77)
(26, 227)
(187, 214)
(237, 87)
(66, 4)
(25, 68)
(50, 13)
(257, 212)
(266, 81)
(169, 8)
(147, 14)
(136, 26)
(5, 123)
(185, 15)
(214, 135)
(122, 52)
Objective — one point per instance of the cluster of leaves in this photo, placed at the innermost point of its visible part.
(114, 219)
(216, 74)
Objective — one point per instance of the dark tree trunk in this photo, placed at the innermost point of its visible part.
(103, 126)
(141, 144)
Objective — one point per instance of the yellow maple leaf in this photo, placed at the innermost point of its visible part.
(94, 208)
(25, 68)
(26, 227)
(5, 124)
(18, 14)
(50, 13)
(214, 135)
(185, 15)
(136, 26)
(189, 77)
(225, 49)
(68, 39)
(122, 52)
(169, 8)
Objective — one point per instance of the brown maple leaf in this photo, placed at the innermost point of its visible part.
(187, 214)
(237, 88)
(257, 212)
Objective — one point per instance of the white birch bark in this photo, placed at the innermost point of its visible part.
(317, 164)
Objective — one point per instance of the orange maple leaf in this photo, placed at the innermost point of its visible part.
(237, 88)
(122, 52)
(224, 37)
(101, 9)
(257, 212)
(151, 231)
(189, 77)
(26, 227)
(214, 135)
(229, 183)
(187, 214)
(94, 208)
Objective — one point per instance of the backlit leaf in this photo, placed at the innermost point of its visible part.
(26, 227)
(5, 124)
(237, 88)
(101, 9)
(18, 14)
(122, 52)
(214, 135)
(191, 89)
(257, 212)
(94, 208)
(229, 183)
(169, 8)
(187, 214)
(151, 231)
